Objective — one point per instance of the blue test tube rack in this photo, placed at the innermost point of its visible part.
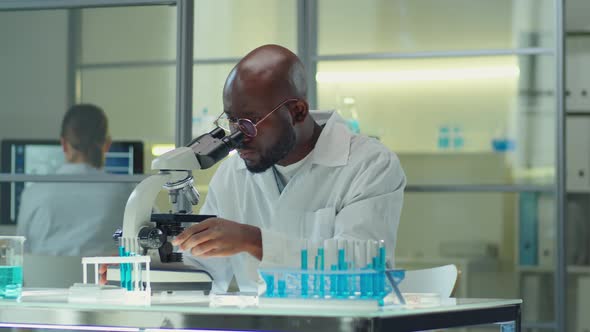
(343, 280)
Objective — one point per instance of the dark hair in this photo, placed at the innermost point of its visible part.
(85, 127)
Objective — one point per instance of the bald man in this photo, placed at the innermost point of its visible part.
(292, 179)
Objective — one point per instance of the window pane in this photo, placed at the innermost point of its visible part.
(208, 104)
(33, 67)
(425, 25)
(128, 34)
(207, 95)
(140, 103)
(227, 28)
(34, 98)
(495, 112)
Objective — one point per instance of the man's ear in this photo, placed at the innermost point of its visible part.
(300, 111)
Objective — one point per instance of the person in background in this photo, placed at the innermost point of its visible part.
(75, 219)
(292, 179)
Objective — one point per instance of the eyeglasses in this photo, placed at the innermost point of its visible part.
(247, 126)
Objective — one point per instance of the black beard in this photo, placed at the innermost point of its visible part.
(279, 151)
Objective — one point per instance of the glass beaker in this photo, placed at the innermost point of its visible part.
(11, 266)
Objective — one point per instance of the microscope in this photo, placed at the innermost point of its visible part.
(148, 233)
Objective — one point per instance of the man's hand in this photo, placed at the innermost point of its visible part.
(216, 237)
(102, 272)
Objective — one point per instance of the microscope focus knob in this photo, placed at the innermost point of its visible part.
(176, 257)
(151, 238)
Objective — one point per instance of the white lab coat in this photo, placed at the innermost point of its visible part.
(351, 187)
(72, 219)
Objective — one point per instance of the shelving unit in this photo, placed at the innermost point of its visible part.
(578, 177)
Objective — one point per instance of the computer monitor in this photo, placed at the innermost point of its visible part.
(41, 157)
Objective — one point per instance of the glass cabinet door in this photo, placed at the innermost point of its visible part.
(384, 26)
(127, 64)
(464, 92)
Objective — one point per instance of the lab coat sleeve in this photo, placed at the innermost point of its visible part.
(370, 210)
(218, 267)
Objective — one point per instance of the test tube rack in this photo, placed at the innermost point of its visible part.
(133, 290)
(360, 285)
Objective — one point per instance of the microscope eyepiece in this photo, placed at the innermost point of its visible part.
(213, 146)
(234, 140)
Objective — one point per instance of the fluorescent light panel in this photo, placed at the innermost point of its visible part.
(160, 149)
(419, 75)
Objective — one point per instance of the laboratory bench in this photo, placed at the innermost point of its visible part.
(45, 312)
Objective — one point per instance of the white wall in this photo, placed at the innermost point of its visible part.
(33, 71)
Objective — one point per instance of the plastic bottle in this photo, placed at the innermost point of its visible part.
(349, 113)
(458, 140)
(444, 139)
(501, 142)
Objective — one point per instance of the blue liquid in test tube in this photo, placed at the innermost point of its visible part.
(334, 281)
(270, 285)
(375, 277)
(316, 280)
(382, 258)
(122, 273)
(342, 291)
(321, 268)
(282, 286)
(369, 281)
(304, 276)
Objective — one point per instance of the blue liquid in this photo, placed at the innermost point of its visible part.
(321, 262)
(11, 281)
(282, 286)
(304, 276)
(270, 285)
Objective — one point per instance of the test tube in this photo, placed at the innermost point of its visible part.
(342, 266)
(334, 281)
(128, 268)
(321, 268)
(330, 253)
(137, 273)
(282, 285)
(382, 254)
(372, 250)
(350, 278)
(270, 285)
(304, 276)
(360, 256)
(330, 264)
(381, 274)
(122, 272)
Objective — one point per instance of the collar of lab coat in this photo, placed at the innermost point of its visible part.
(333, 145)
(78, 168)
